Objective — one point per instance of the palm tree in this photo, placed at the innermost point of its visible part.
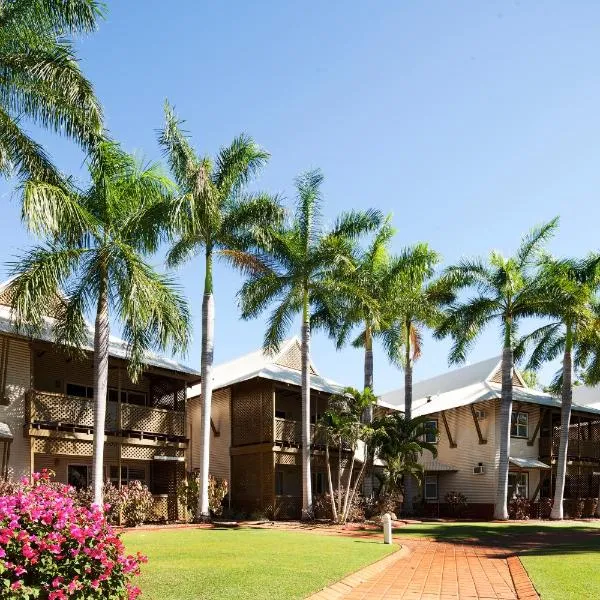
(215, 215)
(40, 80)
(95, 243)
(570, 287)
(296, 273)
(506, 291)
(399, 442)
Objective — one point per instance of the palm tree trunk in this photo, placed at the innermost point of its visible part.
(307, 510)
(339, 478)
(348, 486)
(208, 328)
(330, 481)
(101, 339)
(565, 418)
(407, 505)
(355, 487)
(368, 375)
(500, 507)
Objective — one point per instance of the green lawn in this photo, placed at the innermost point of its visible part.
(197, 564)
(562, 559)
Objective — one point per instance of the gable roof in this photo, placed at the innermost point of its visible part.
(474, 383)
(587, 395)
(117, 347)
(283, 366)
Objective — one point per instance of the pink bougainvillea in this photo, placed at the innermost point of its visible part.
(52, 547)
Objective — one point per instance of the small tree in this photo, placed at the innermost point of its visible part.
(343, 426)
(399, 442)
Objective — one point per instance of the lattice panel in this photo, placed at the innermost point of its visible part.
(282, 458)
(63, 410)
(130, 451)
(152, 420)
(57, 446)
(497, 378)
(167, 393)
(292, 359)
(252, 414)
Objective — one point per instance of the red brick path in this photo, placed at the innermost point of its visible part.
(439, 571)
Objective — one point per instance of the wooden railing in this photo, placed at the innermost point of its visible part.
(290, 432)
(60, 410)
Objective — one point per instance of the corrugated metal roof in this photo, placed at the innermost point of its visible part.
(528, 463)
(261, 364)
(435, 466)
(117, 347)
(462, 387)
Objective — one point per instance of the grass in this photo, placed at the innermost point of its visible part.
(198, 564)
(561, 558)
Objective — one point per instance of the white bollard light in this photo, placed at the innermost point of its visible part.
(387, 528)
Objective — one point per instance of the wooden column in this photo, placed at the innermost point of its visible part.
(477, 426)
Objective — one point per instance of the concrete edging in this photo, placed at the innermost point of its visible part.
(347, 584)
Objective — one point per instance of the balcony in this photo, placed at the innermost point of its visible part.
(577, 449)
(59, 411)
(289, 433)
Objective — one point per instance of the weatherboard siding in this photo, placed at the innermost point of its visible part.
(219, 463)
(18, 377)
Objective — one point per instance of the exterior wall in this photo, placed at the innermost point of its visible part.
(252, 485)
(18, 376)
(480, 490)
(252, 412)
(220, 444)
(53, 370)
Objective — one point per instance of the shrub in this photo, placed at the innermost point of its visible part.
(135, 502)
(589, 507)
(189, 488)
(322, 507)
(518, 508)
(54, 548)
(112, 500)
(457, 504)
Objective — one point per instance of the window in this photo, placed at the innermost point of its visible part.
(431, 487)
(518, 485)
(279, 483)
(128, 474)
(318, 483)
(79, 476)
(127, 397)
(280, 414)
(431, 431)
(81, 391)
(519, 424)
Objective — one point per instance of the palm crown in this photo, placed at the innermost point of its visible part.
(96, 242)
(298, 267)
(41, 80)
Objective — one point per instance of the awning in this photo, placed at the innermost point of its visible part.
(5, 433)
(528, 463)
(435, 466)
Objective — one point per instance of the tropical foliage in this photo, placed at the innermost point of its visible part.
(343, 428)
(214, 214)
(40, 81)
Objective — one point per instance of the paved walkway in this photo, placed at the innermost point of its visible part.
(439, 571)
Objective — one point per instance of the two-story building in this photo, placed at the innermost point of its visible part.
(47, 414)
(256, 430)
(463, 406)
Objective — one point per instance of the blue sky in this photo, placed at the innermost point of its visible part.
(469, 121)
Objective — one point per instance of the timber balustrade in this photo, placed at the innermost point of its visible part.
(59, 410)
